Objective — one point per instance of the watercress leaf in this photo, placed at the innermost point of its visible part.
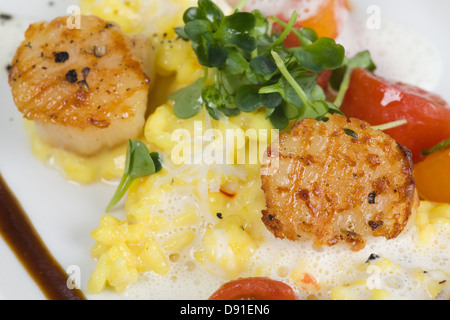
(363, 60)
(321, 55)
(188, 100)
(128, 158)
(307, 113)
(230, 102)
(321, 107)
(243, 41)
(141, 163)
(196, 29)
(216, 55)
(337, 77)
(213, 113)
(307, 82)
(237, 23)
(212, 97)
(264, 66)
(211, 12)
(279, 119)
(253, 77)
(308, 33)
(317, 93)
(201, 50)
(235, 64)
(271, 100)
(332, 109)
(230, 112)
(261, 25)
(248, 99)
(192, 14)
(157, 160)
(269, 112)
(231, 83)
(290, 111)
(180, 32)
(236, 29)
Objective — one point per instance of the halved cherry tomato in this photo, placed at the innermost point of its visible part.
(379, 101)
(433, 177)
(257, 288)
(326, 22)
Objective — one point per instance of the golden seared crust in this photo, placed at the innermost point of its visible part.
(83, 78)
(337, 181)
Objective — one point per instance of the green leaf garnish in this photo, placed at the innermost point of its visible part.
(390, 125)
(139, 163)
(324, 54)
(340, 79)
(351, 133)
(188, 100)
(253, 69)
(440, 146)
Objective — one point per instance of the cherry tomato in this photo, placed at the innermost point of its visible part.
(432, 177)
(379, 101)
(257, 288)
(326, 22)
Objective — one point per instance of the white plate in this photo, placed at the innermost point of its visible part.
(64, 214)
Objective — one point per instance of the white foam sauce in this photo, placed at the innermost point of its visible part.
(305, 9)
(330, 266)
(400, 53)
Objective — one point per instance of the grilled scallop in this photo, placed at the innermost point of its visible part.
(85, 89)
(337, 181)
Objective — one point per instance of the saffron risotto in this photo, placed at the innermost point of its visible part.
(199, 225)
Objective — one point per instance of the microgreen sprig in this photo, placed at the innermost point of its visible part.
(241, 51)
(440, 146)
(139, 163)
(341, 77)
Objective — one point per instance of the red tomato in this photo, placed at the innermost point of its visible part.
(379, 101)
(257, 288)
(291, 40)
(323, 78)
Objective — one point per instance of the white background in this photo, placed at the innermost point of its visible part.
(64, 213)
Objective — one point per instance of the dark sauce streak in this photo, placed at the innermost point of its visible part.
(25, 242)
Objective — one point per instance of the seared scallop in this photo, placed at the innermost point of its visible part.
(337, 181)
(85, 89)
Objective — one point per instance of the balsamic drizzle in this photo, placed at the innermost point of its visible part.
(19, 233)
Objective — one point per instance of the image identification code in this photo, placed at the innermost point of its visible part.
(227, 309)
